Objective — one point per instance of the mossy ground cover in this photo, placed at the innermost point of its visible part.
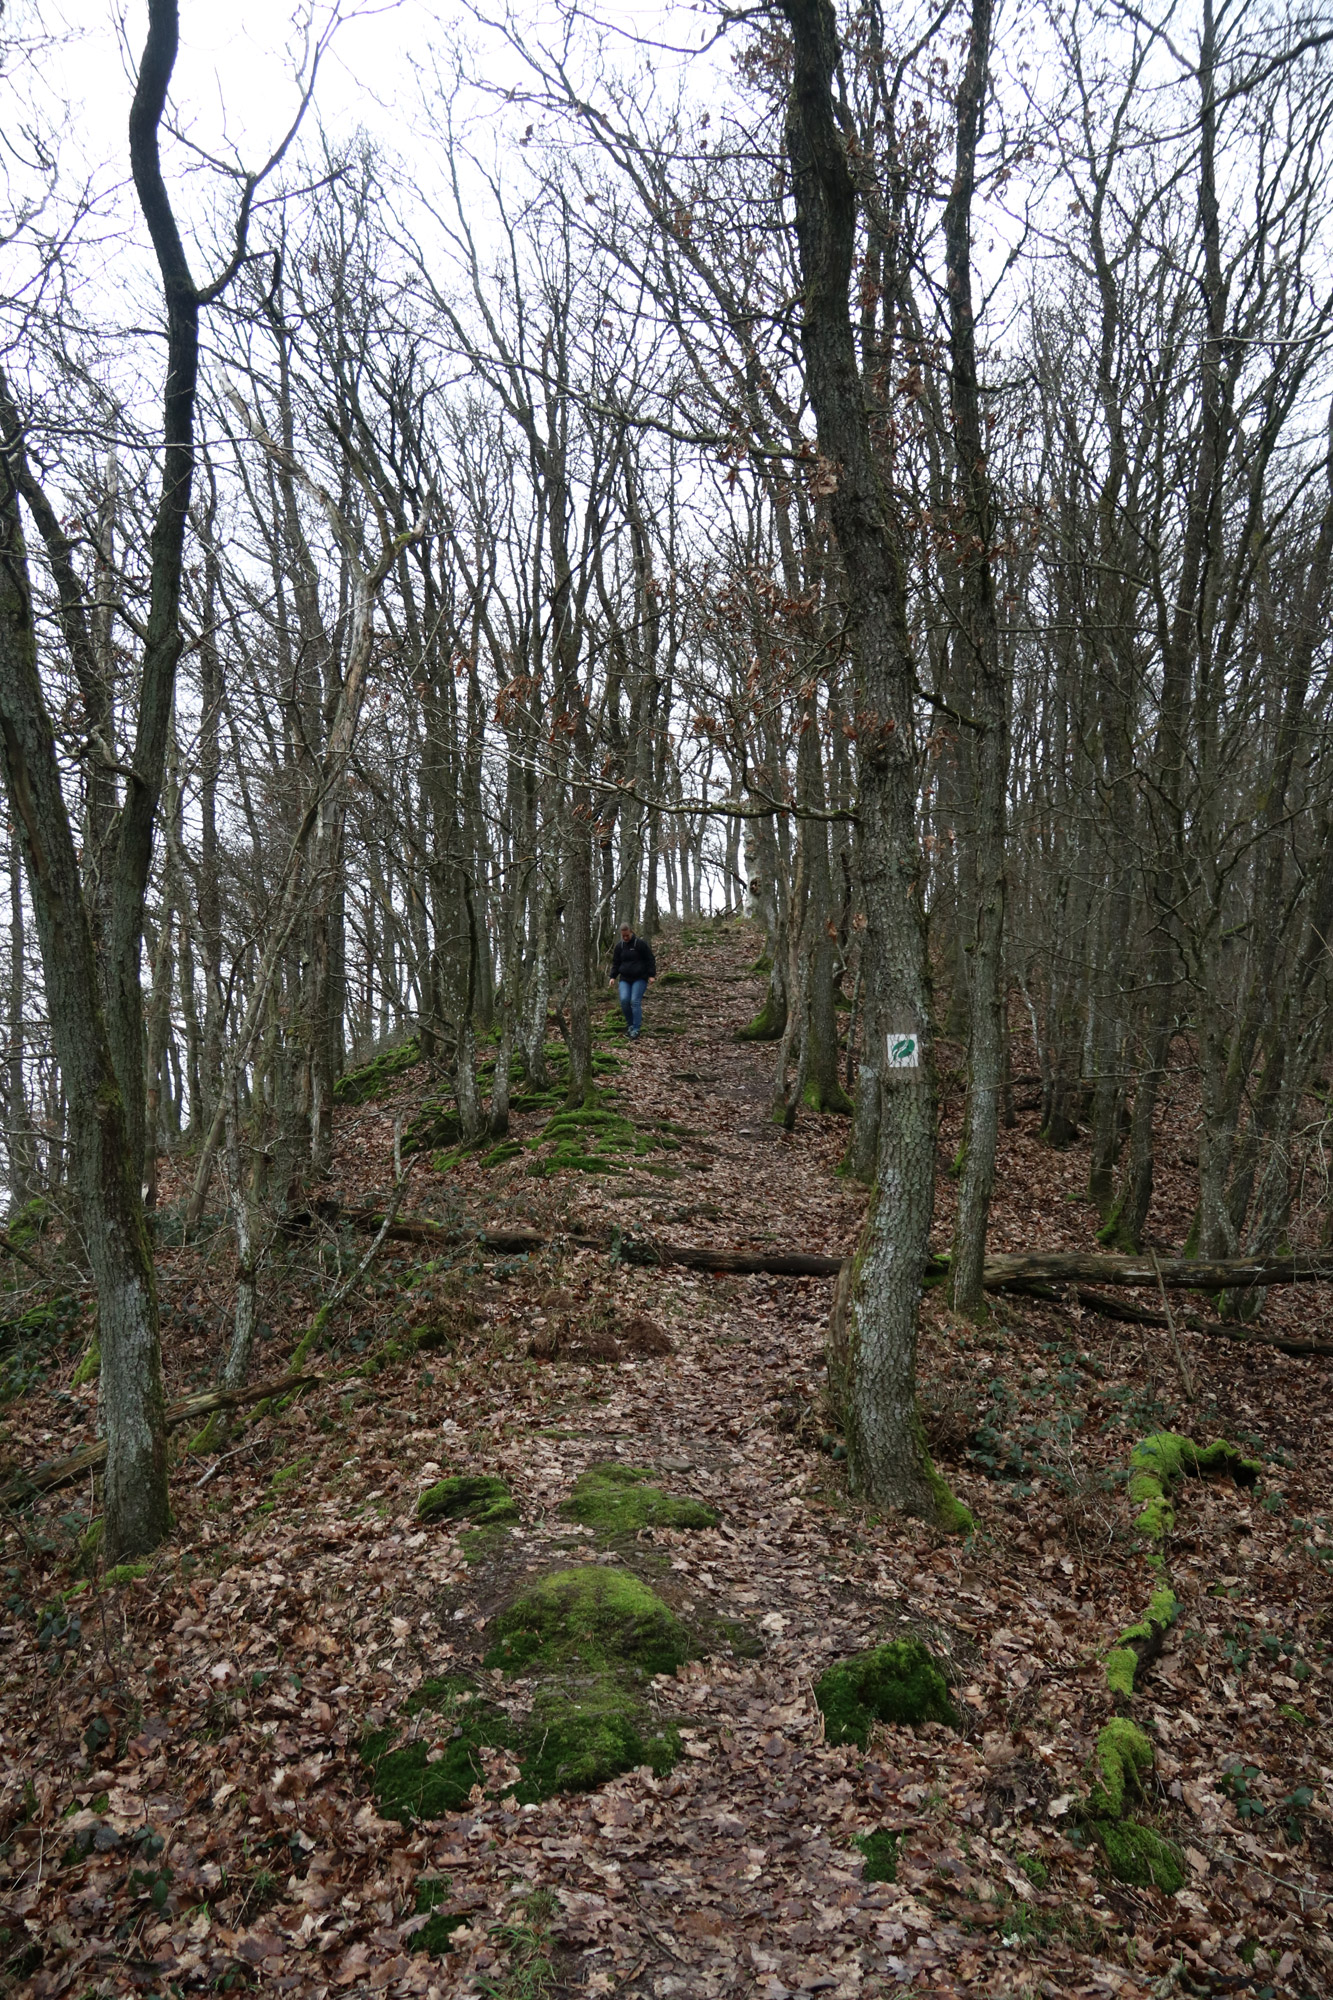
(899, 1682)
(880, 1850)
(427, 1764)
(468, 1496)
(590, 1638)
(593, 1637)
(598, 1139)
(438, 1124)
(434, 1936)
(619, 1499)
(1140, 1857)
(585, 1732)
(32, 1338)
(1136, 1855)
(374, 1078)
(592, 1619)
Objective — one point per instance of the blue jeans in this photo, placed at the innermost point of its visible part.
(631, 1002)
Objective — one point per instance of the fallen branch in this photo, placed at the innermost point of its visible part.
(315, 1330)
(1132, 1315)
(12, 1249)
(23, 1486)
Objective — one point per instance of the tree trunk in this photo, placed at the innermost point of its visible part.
(104, 1162)
(980, 639)
(21, 1156)
(158, 1029)
(886, 1450)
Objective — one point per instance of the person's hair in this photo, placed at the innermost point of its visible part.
(629, 928)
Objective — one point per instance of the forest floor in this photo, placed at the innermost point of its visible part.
(184, 1803)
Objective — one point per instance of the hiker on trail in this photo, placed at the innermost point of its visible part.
(632, 966)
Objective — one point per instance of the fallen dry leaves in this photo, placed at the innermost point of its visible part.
(185, 1809)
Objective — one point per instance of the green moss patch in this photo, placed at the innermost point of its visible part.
(618, 1500)
(1134, 1854)
(436, 1124)
(1141, 1641)
(89, 1368)
(899, 1682)
(587, 1732)
(1124, 1758)
(124, 1573)
(1140, 1857)
(468, 1496)
(592, 1139)
(1157, 1466)
(589, 1620)
(880, 1849)
(432, 1890)
(590, 1637)
(372, 1079)
(434, 1771)
(290, 1475)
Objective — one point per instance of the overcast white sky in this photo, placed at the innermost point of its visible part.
(234, 85)
(68, 75)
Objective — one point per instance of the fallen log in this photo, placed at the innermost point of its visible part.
(1198, 1274)
(630, 1249)
(1014, 1271)
(751, 1263)
(1132, 1315)
(21, 1486)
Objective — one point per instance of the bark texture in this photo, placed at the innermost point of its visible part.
(886, 1452)
(104, 1153)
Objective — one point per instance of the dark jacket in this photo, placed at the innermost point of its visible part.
(633, 959)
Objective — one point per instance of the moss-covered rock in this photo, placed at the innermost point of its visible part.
(436, 1124)
(1158, 1464)
(618, 1500)
(434, 1772)
(1124, 1758)
(1140, 1857)
(590, 1638)
(590, 1620)
(586, 1732)
(468, 1496)
(899, 1682)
